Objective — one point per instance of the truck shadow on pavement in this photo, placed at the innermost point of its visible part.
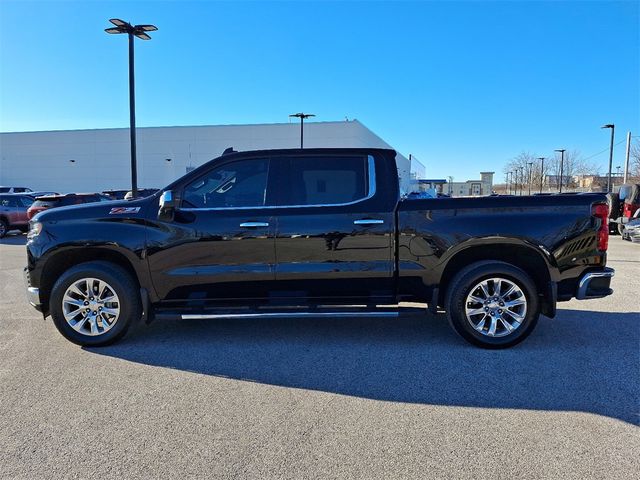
(17, 238)
(580, 361)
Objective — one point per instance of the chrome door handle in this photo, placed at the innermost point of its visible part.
(254, 224)
(368, 221)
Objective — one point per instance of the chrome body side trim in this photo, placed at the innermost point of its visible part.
(372, 191)
(197, 316)
(368, 221)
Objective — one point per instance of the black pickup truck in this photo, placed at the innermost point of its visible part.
(314, 232)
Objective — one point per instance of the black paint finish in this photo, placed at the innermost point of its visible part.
(307, 253)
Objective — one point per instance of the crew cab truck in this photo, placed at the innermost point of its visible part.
(313, 232)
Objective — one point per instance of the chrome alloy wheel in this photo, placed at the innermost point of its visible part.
(496, 307)
(91, 306)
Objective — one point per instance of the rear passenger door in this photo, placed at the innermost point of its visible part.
(335, 236)
(9, 209)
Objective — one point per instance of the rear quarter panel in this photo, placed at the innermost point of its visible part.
(558, 228)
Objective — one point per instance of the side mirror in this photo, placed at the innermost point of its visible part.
(167, 208)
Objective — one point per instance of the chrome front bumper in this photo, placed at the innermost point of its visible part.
(33, 293)
(595, 284)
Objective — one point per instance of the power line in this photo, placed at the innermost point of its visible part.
(605, 150)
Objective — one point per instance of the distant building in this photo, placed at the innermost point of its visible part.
(430, 183)
(94, 160)
(471, 188)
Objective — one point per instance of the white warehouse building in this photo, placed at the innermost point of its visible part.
(96, 160)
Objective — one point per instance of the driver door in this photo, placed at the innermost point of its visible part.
(221, 243)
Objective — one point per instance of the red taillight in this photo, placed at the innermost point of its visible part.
(601, 210)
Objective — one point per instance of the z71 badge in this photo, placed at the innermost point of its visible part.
(123, 210)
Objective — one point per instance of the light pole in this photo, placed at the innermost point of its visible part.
(529, 180)
(562, 150)
(541, 172)
(302, 116)
(138, 31)
(613, 130)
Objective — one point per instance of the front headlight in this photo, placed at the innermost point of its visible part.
(34, 229)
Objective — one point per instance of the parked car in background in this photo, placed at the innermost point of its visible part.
(53, 201)
(15, 190)
(623, 205)
(142, 193)
(35, 195)
(632, 228)
(13, 212)
(115, 194)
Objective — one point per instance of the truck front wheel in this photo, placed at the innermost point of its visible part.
(95, 303)
(492, 304)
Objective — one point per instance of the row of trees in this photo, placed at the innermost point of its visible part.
(529, 168)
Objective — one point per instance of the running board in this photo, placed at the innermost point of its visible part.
(211, 316)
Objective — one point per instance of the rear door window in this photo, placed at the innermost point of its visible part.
(26, 201)
(326, 180)
(54, 202)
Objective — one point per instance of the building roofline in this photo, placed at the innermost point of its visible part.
(332, 122)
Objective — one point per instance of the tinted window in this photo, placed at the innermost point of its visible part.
(318, 180)
(236, 184)
(54, 202)
(21, 190)
(4, 189)
(9, 202)
(26, 201)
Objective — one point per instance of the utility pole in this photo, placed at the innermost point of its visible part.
(613, 129)
(302, 116)
(541, 172)
(626, 158)
(562, 150)
(529, 180)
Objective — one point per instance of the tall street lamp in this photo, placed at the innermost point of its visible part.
(529, 180)
(132, 31)
(541, 172)
(302, 116)
(613, 129)
(562, 150)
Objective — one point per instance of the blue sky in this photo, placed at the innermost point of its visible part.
(463, 86)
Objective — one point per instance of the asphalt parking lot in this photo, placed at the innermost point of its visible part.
(336, 398)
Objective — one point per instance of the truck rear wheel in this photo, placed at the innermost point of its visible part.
(95, 303)
(492, 304)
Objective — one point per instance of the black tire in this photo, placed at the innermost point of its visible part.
(123, 285)
(461, 286)
(4, 227)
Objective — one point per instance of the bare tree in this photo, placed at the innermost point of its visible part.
(574, 165)
(634, 160)
(528, 170)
